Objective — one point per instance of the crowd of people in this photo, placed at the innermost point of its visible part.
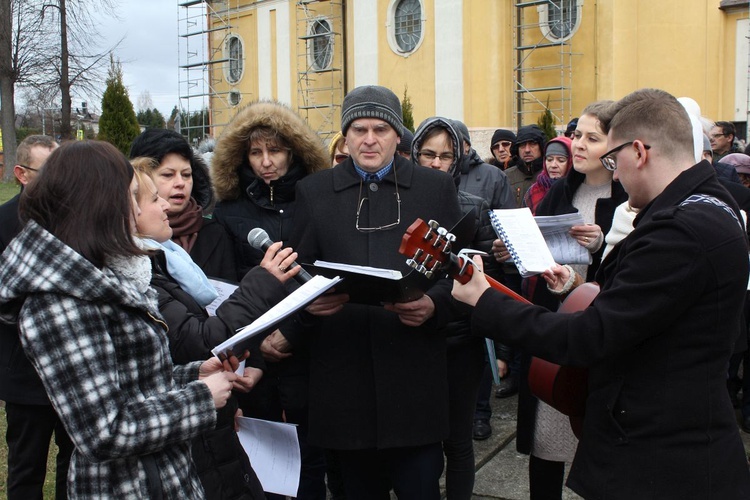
(108, 265)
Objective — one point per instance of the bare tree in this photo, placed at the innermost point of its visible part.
(22, 57)
(144, 101)
(76, 66)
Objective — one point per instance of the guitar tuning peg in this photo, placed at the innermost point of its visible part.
(412, 263)
(433, 224)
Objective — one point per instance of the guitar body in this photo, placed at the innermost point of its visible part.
(565, 388)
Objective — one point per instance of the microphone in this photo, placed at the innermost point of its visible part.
(259, 239)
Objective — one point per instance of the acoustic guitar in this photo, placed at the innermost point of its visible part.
(429, 250)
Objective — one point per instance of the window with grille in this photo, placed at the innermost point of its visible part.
(234, 54)
(321, 44)
(560, 18)
(407, 24)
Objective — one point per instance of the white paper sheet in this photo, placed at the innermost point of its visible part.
(274, 453)
(296, 300)
(225, 290)
(523, 239)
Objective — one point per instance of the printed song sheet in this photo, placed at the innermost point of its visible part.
(523, 239)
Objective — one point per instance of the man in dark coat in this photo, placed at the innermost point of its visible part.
(378, 383)
(658, 337)
(31, 419)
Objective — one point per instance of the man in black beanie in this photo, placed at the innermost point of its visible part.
(529, 147)
(501, 146)
(378, 381)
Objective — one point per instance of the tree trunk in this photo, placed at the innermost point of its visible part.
(7, 82)
(65, 129)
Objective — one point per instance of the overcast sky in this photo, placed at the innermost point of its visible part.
(148, 51)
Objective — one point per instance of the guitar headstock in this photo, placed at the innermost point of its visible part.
(428, 247)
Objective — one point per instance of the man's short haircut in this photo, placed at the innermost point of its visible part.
(23, 152)
(727, 128)
(655, 117)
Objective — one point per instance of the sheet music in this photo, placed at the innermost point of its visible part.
(556, 231)
(298, 299)
(523, 239)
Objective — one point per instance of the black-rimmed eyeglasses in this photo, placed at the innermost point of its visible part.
(29, 168)
(609, 159)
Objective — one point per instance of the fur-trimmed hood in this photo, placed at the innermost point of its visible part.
(230, 154)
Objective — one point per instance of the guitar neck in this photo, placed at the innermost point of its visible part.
(496, 285)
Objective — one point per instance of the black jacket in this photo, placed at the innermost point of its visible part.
(374, 382)
(657, 341)
(221, 462)
(19, 382)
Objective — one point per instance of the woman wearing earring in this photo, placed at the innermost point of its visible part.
(90, 325)
(543, 432)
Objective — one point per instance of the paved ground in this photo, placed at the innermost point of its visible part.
(501, 471)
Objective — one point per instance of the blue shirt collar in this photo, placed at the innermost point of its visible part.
(379, 175)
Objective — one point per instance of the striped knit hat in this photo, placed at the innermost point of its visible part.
(372, 101)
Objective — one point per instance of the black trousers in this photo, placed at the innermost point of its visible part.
(466, 362)
(30, 428)
(412, 472)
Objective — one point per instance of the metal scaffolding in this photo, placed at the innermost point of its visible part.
(205, 95)
(320, 63)
(543, 75)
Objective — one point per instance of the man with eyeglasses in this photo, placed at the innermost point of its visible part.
(657, 339)
(31, 419)
(378, 383)
(722, 140)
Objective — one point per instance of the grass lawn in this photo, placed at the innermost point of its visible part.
(49, 482)
(8, 190)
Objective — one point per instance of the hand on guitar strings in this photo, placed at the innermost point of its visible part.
(476, 286)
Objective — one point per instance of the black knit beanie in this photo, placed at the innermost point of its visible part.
(502, 135)
(405, 145)
(372, 101)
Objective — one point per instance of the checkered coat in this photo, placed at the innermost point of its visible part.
(101, 351)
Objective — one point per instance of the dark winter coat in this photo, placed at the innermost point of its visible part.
(657, 341)
(19, 383)
(244, 201)
(485, 181)
(374, 382)
(221, 462)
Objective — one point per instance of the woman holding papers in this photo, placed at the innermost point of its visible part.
(260, 157)
(90, 325)
(543, 432)
(184, 292)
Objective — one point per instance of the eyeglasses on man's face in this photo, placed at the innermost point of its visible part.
(716, 136)
(431, 155)
(609, 159)
(501, 144)
(29, 168)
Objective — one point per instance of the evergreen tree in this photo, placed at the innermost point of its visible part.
(151, 118)
(117, 124)
(407, 110)
(546, 122)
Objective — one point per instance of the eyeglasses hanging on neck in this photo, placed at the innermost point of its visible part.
(361, 203)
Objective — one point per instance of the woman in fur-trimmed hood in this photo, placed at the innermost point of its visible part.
(257, 162)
